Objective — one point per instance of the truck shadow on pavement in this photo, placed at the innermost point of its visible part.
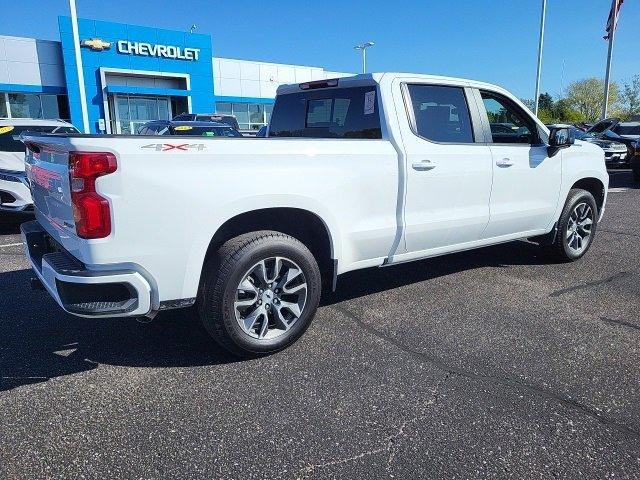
(38, 341)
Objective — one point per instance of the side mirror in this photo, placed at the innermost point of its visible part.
(560, 138)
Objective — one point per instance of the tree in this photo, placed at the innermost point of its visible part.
(562, 112)
(545, 102)
(630, 98)
(529, 103)
(586, 96)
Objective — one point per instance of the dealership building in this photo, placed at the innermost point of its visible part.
(131, 74)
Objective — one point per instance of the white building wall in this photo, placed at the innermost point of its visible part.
(27, 61)
(245, 78)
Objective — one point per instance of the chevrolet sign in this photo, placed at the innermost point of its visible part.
(152, 50)
(96, 44)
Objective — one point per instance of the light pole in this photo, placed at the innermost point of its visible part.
(540, 44)
(363, 47)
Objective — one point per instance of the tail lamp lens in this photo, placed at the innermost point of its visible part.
(91, 211)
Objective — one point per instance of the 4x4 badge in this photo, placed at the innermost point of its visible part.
(164, 147)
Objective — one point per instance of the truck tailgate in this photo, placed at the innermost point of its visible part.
(47, 167)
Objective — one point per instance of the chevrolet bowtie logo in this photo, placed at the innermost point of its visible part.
(96, 44)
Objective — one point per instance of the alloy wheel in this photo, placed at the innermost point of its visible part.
(270, 298)
(578, 233)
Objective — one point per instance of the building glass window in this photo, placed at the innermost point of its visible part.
(241, 112)
(223, 108)
(268, 109)
(49, 106)
(250, 116)
(31, 105)
(3, 105)
(256, 116)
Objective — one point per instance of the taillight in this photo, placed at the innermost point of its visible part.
(91, 211)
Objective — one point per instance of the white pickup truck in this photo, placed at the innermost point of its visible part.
(356, 172)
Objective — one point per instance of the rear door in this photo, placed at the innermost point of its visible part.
(448, 167)
(526, 182)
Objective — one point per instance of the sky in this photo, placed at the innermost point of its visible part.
(489, 40)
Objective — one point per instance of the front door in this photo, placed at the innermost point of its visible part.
(448, 169)
(526, 181)
(131, 111)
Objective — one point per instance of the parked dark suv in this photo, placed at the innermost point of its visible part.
(624, 132)
(208, 117)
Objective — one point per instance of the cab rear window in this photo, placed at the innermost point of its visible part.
(327, 113)
(10, 135)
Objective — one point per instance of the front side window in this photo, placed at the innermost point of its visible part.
(440, 113)
(508, 123)
(327, 113)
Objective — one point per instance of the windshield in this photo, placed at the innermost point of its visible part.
(621, 129)
(10, 135)
(580, 135)
(205, 131)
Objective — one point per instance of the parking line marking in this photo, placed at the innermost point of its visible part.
(11, 245)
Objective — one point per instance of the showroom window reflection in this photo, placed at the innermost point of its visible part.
(250, 116)
(33, 105)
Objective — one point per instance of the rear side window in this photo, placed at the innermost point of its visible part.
(327, 113)
(10, 135)
(440, 113)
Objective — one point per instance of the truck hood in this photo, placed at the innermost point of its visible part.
(13, 161)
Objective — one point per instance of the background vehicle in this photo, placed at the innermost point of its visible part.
(193, 129)
(363, 171)
(14, 188)
(208, 117)
(615, 153)
(623, 132)
(262, 133)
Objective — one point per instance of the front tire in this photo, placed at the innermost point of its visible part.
(260, 293)
(576, 226)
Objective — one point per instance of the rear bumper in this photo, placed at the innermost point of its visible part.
(79, 290)
(15, 195)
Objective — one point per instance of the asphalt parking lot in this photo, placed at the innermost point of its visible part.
(487, 364)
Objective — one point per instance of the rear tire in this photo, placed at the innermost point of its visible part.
(260, 293)
(576, 227)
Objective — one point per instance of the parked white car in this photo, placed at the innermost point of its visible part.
(14, 189)
(357, 172)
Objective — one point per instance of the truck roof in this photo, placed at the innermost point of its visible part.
(365, 79)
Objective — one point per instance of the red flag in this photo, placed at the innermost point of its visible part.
(612, 21)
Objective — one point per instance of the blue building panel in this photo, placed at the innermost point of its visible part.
(147, 62)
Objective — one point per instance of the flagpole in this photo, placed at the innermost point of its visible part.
(612, 34)
(76, 49)
(540, 44)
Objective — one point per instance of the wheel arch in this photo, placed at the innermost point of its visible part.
(595, 186)
(304, 225)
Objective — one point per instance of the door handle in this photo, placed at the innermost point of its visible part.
(505, 162)
(423, 165)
